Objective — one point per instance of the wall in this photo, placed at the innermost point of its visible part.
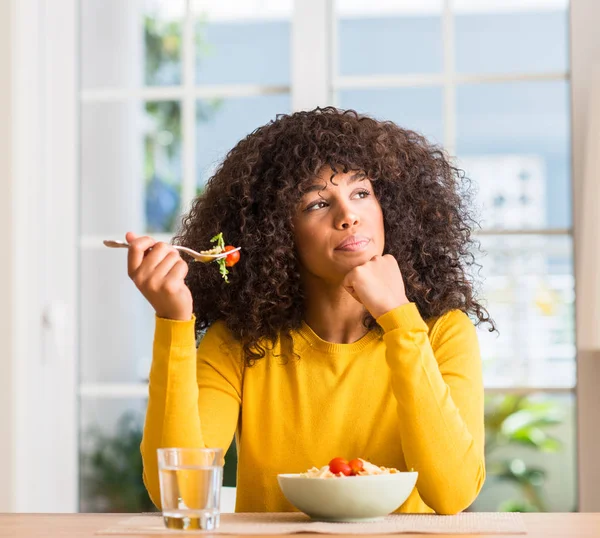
(6, 273)
(585, 54)
(37, 367)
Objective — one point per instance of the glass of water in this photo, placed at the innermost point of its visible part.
(190, 487)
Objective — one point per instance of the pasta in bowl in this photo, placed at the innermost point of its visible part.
(344, 492)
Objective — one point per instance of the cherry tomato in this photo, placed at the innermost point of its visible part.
(356, 465)
(232, 258)
(340, 465)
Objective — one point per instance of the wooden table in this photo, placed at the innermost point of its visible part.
(85, 525)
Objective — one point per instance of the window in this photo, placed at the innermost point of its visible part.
(179, 83)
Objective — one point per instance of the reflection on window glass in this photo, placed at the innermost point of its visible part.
(417, 109)
(528, 286)
(110, 464)
(111, 47)
(162, 165)
(132, 43)
(514, 142)
(380, 37)
(530, 454)
(510, 190)
(226, 122)
(125, 356)
(130, 166)
(243, 42)
(111, 155)
(508, 37)
(163, 28)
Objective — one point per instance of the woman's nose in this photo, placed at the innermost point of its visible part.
(347, 219)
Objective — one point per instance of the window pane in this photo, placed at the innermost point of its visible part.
(383, 37)
(128, 44)
(511, 37)
(163, 29)
(514, 142)
(130, 167)
(418, 109)
(529, 290)
(530, 454)
(243, 42)
(116, 323)
(110, 462)
(223, 123)
(162, 166)
(111, 168)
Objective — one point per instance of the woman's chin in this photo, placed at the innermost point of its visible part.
(350, 260)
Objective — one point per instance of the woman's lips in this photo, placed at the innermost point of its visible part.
(353, 243)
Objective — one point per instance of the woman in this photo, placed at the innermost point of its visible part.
(344, 329)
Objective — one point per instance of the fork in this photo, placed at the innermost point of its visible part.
(198, 256)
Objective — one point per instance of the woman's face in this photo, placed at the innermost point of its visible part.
(338, 226)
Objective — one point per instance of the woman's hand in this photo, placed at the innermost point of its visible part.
(159, 275)
(377, 284)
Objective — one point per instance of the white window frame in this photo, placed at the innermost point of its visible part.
(42, 343)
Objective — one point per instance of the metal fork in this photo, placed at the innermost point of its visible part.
(198, 256)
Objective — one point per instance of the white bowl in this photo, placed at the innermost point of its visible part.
(348, 498)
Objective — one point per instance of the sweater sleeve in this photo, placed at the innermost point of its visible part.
(437, 383)
(194, 394)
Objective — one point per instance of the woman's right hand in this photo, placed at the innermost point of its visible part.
(159, 275)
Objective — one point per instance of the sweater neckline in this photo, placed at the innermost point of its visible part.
(317, 343)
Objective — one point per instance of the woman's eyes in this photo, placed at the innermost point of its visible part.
(317, 205)
(323, 203)
(362, 193)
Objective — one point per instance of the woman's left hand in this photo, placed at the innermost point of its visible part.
(377, 284)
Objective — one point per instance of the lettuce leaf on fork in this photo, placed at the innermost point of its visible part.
(218, 239)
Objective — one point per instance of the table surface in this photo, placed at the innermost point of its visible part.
(584, 525)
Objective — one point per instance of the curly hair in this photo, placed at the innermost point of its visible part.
(254, 194)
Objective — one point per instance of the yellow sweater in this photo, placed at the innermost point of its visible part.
(409, 398)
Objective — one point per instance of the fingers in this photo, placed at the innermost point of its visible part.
(351, 292)
(158, 271)
(155, 257)
(349, 282)
(164, 266)
(149, 269)
(130, 236)
(177, 273)
(137, 247)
